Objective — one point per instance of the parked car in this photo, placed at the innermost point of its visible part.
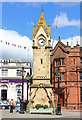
(4, 105)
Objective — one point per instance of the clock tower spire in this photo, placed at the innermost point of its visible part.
(42, 21)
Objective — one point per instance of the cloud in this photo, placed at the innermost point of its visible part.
(75, 39)
(62, 21)
(9, 51)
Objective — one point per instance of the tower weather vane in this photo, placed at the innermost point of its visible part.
(42, 9)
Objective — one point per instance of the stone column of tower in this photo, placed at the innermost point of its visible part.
(41, 89)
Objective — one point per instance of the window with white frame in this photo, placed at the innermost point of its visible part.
(80, 76)
(62, 76)
(81, 93)
(4, 72)
(62, 61)
(81, 61)
(74, 61)
(18, 73)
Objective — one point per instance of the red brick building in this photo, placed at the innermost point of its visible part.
(68, 59)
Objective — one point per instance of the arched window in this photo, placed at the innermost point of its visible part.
(19, 90)
(41, 61)
(74, 61)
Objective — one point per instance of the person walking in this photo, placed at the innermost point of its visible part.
(8, 103)
(25, 104)
(11, 105)
(18, 105)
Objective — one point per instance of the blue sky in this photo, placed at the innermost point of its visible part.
(18, 20)
(21, 16)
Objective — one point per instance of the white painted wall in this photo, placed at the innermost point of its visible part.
(12, 91)
(12, 73)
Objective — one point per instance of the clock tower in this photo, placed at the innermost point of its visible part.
(41, 52)
(41, 89)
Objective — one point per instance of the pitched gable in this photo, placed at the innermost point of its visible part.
(60, 49)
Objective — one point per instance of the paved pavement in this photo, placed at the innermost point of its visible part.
(65, 114)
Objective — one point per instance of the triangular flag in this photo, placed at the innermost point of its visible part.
(15, 45)
(24, 47)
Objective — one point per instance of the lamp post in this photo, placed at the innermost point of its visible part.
(28, 77)
(22, 103)
(58, 104)
(27, 88)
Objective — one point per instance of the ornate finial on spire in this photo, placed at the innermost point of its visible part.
(59, 39)
(67, 44)
(77, 41)
(42, 9)
(42, 21)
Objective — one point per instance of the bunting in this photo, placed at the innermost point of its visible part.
(56, 27)
(70, 85)
(13, 45)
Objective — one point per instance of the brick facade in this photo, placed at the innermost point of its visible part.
(68, 60)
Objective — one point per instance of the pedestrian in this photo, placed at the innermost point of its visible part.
(8, 103)
(25, 104)
(18, 105)
(11, 105)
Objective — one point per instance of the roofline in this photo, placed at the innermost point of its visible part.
(14, 67)
(16, 62)
(13, 78)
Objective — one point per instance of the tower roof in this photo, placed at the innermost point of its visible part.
(42, 21)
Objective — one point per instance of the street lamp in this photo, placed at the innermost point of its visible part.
(58, 104)
(28, 77)
(22, 103)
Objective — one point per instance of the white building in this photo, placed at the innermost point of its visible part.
(11, 79)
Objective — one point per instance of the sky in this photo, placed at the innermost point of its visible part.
(18, 19)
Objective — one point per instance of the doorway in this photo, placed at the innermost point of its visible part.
(62, 99)
(3, 94)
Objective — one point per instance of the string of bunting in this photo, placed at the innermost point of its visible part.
(13, 45)
(56, 28)
(70, 85)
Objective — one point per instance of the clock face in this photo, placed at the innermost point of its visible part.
(41, 42)
(41, 18)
